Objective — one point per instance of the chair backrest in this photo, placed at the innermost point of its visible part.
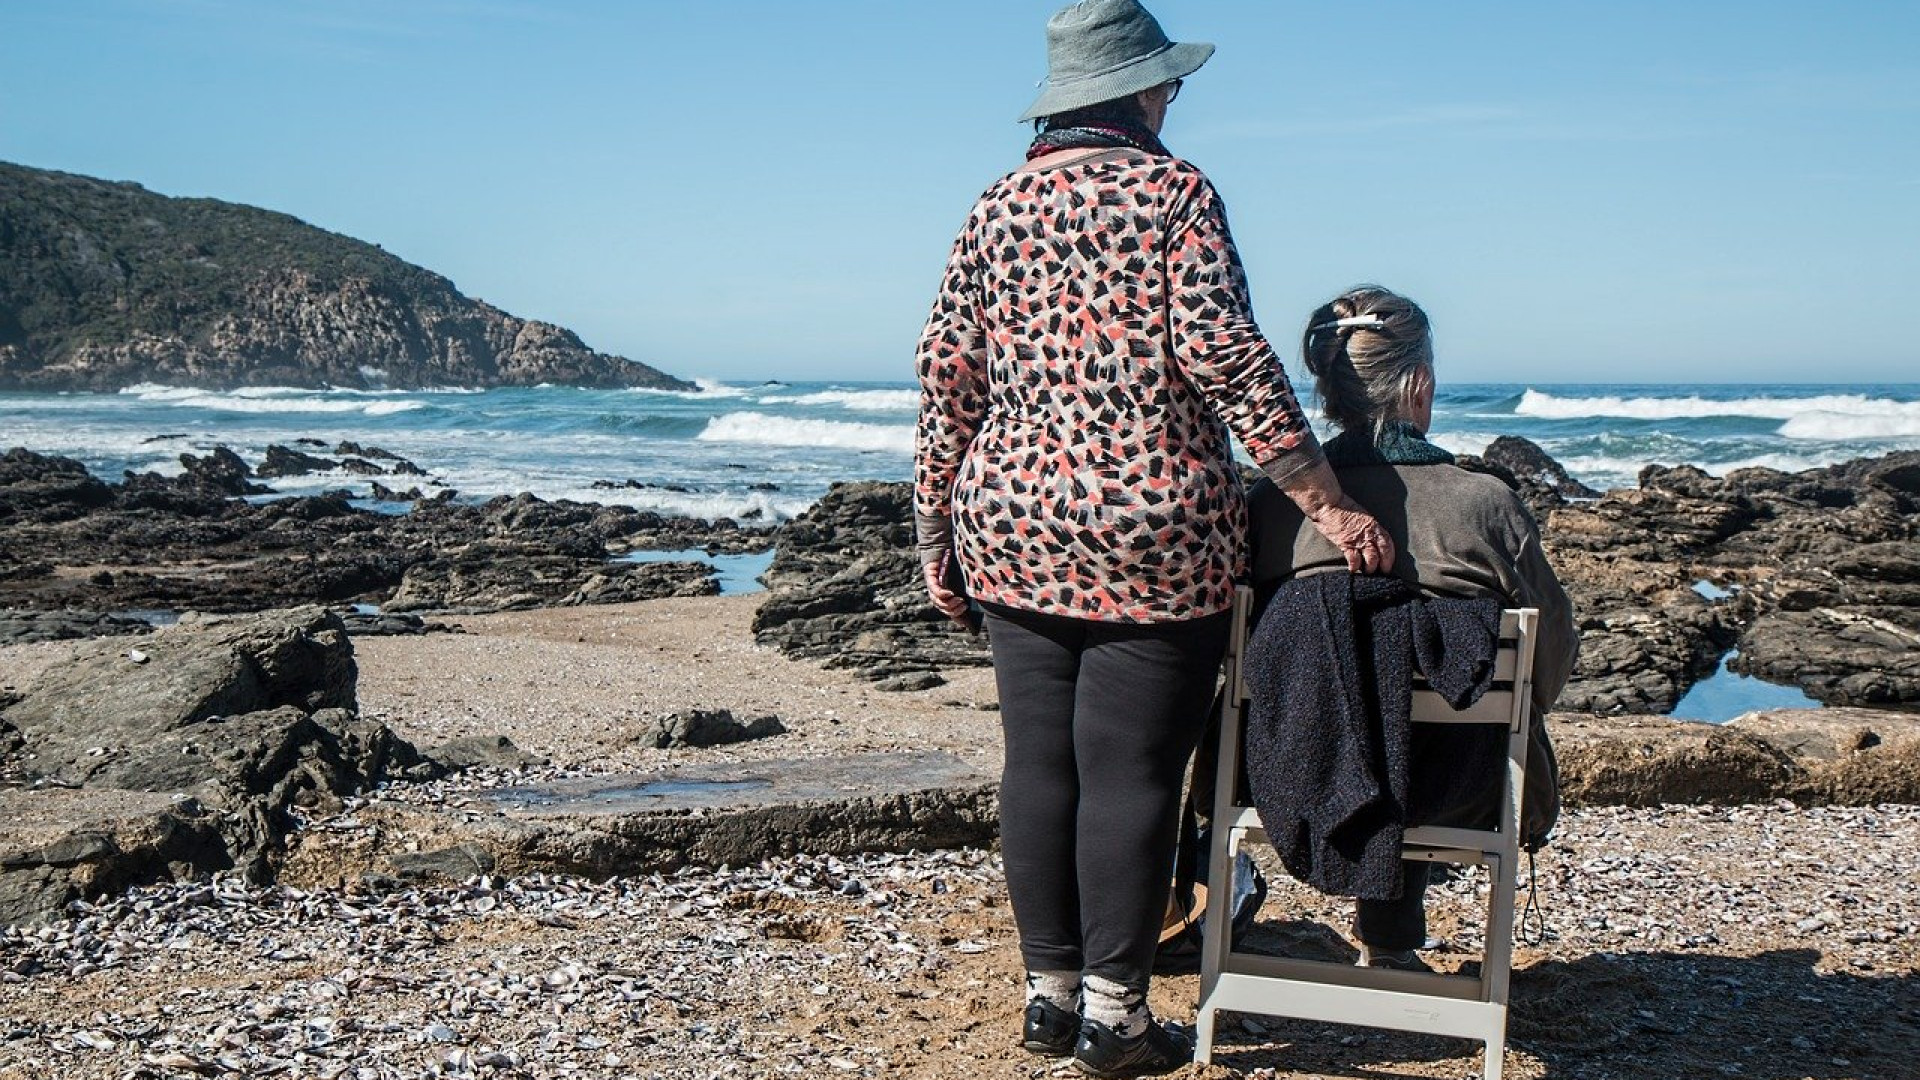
(1508, 702)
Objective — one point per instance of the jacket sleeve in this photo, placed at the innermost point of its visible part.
(1219, 347)
(1558, 645)
(952, 364)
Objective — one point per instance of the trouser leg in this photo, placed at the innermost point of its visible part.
(1396, 925)
(1036, 664)
(1142, 700)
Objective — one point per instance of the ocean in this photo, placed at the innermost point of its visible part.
(765, 451)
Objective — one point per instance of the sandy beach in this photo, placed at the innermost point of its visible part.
(577, 684)
(1766, 941)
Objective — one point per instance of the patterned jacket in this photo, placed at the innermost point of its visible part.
(1092, 332)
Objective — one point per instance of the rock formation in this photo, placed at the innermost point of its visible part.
(1843, 756)
(1826, 565)
(191, 543)
(185, 755)
(845, 588)
(104, 285)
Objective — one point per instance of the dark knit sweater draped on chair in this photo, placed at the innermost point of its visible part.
(1330, 668)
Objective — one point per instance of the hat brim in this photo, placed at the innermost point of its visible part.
(1177, 62)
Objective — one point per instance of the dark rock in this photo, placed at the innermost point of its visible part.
(223, 471)
(388, 624)
(384, 493)
(60, 846)
(1827, 563)
(248, 718)
(1527, 461)
(24, 627)
(177, 544)
(1645, 636)
(501, 576)
(1861, 655)
(453, 864)
(488, 751)
(285, 461)
(704, 727)
(398, 466)
(1676, 516)
(37, 487)
(153, 724)
(918, 680)
(198, 671)
(845, 587)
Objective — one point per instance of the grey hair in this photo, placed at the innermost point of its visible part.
(1367, 349)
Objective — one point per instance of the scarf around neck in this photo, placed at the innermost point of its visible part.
(1088, 136)
(1399, 443)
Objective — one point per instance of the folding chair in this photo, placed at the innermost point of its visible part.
(1458, 1005)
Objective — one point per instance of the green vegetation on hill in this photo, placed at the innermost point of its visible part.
(103, 285)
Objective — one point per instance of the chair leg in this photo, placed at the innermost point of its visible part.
(1203, 1035)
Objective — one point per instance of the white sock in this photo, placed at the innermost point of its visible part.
(1117, 1005)
(1060, 988)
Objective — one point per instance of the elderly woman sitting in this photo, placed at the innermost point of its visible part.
(1458, 534)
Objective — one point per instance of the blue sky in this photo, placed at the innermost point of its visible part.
(1618, 192)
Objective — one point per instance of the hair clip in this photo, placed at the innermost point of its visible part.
(1370, 319)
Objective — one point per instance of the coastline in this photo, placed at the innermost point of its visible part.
(452, 888)
(1695, 934)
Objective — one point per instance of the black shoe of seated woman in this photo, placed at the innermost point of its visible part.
(1105, 1053)
(1049, 1029)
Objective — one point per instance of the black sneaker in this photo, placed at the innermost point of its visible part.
(1102, 1052)
(1391, 959)
(1049, 1029)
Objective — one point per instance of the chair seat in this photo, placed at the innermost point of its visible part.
(1464, 1006)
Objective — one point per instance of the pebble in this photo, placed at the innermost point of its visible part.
(710, 972)
(671, 974)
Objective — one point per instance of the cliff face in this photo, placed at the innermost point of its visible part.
(104, 285)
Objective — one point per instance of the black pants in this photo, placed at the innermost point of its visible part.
(1396, 925)
(1099, 720)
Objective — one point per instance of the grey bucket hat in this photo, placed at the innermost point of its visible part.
(1098, 50)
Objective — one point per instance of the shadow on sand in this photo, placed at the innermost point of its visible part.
(1624, 1016)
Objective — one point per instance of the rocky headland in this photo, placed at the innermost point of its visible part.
(105, 285)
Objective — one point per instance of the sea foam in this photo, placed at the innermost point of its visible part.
(856, 400)
(766, 430)
(281, 399)
(709, 389)
(1547, 406)
(1901, 425)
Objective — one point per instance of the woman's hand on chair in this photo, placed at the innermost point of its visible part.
(1358, 535)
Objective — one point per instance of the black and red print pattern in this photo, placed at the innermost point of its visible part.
(1092, 332)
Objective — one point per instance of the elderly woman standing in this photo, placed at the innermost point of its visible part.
(1091, 335)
